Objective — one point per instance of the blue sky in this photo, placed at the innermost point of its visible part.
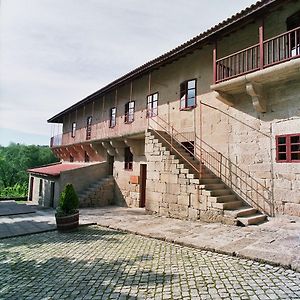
(53, 53)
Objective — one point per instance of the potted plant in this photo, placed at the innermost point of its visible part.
(67, 214)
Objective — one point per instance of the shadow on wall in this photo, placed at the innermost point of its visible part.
(119, 197)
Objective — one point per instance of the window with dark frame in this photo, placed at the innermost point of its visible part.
(112, 119)
(73, 129)
(128, 159)
(152, 101)
(129, 112)
(188, 94)
(88, 127)
(288, 148)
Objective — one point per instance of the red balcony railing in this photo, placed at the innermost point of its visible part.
(264, 54)
(102, 130)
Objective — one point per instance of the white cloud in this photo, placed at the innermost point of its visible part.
(53, 53)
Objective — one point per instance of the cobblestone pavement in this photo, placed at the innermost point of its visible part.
(99, 263)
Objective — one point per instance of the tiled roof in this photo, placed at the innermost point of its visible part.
(55, 169)
(174, 53)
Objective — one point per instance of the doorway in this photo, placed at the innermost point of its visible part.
(189, 147)
(143, 177)
(31, 188)
(110, 160)
(52, 191)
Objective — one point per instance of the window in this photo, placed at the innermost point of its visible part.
(88, 127)
(73, 129)
(128, 158)
(129, 112)
(152, 101)
(288, 148)
(71, 158)
(41, 187)
(86, 157)
(188, 94)
(112, 120)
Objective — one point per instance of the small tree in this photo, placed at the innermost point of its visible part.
(68, 202)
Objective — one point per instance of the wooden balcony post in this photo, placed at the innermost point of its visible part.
(261, 46)
(215, 63)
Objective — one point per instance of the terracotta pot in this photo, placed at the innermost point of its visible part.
(66, 223)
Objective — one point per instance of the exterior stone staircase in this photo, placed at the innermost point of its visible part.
(219, 197)
(99, 193)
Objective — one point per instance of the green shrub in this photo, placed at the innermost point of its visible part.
(68, 202)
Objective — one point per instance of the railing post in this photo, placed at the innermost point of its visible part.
(172, 138)
(215, 64)
(220, 165)
(261, 46)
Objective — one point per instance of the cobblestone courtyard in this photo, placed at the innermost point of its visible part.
(97, 263)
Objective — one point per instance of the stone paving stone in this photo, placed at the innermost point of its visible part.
(99, 263)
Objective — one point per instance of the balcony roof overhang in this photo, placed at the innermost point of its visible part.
(255, 84)
(209, 36)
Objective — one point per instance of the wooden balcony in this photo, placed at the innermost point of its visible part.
(264, 54)
(102, 131)
(250, 70)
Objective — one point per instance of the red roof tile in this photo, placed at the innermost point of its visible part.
(56, 169)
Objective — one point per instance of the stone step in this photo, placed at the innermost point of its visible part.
(210, 181)
(213, 186)
(222, 199)
(220, 192)
(240, 212)
(252, 219)
(228, 205)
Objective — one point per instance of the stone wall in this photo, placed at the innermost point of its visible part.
(99, 194)
(172, 191)
(44, 198)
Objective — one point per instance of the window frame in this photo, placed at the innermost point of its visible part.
(184, 91)
(73, 132)
(113, 117)
(128, 159)
(288, 148)
(89, 121)
(129, 112)
(151, 110)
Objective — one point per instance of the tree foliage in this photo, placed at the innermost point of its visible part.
(15, 159)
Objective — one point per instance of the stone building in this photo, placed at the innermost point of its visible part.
(209, 130)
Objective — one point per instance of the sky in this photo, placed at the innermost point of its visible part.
(54, 53)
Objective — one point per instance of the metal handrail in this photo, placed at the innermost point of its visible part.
(241, 182)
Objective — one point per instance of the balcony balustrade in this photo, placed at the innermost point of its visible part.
(266, 53)
(102, 131)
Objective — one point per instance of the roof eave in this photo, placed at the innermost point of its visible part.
(181, 50)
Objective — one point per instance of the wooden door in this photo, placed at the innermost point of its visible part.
(143, 177)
